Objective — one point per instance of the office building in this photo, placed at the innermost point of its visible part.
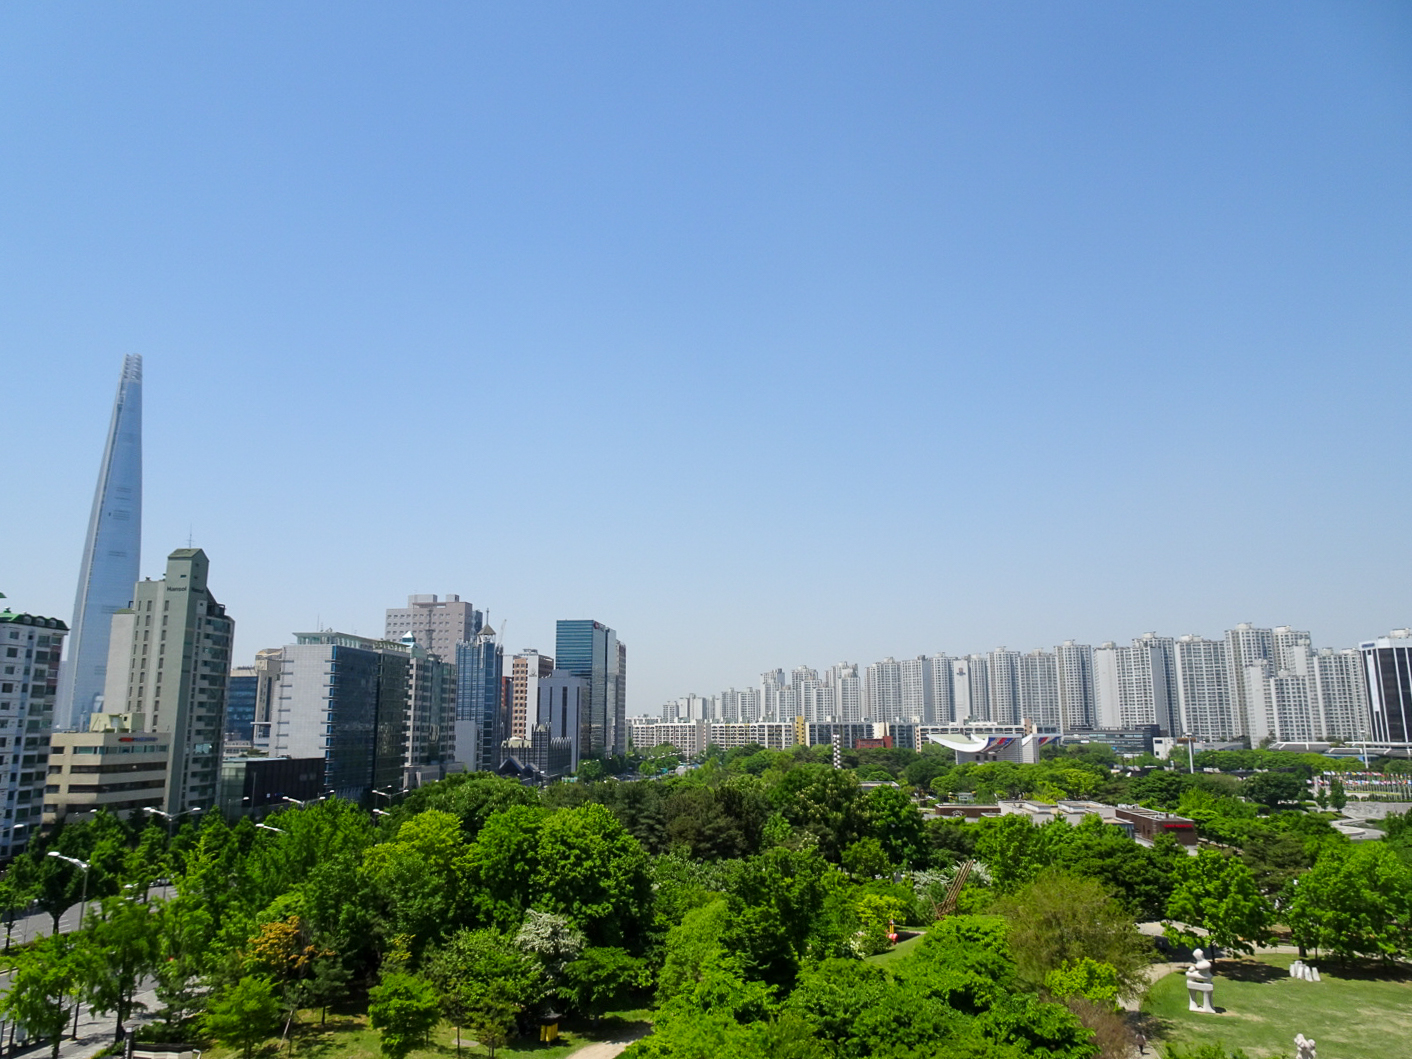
(438, 624)
(526, 670)
(242, 689)
(30, 649)
(254, 786)
(480, 667)
(431, 714)
(1387, 670)
(111, 554)
(167, 676)
(589, 649)
(561, 701)
(345, 699)
(108, 768)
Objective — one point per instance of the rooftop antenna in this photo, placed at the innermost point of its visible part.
(190, 534)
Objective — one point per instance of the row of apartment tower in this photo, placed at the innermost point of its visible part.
(1253, 683)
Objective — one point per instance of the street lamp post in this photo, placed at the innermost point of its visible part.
(267, 827)
(82, 907)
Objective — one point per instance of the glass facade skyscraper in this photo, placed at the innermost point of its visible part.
(111, 556)
(590, 650)
(480, 669)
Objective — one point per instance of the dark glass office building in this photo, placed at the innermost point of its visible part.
(589, 649)
(480, 671)
(1387, 664)
(240, 707)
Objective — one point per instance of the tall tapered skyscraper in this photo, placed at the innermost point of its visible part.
(110, 554)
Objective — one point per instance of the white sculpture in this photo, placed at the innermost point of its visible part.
(1303, 1047)
(1303, 971)
(1199, 984)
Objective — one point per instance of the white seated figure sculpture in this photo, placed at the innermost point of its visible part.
(1303, 1047)
(1199, 984)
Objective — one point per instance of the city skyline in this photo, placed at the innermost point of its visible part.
(827, 337)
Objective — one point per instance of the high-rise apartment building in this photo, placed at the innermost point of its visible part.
(918, 700)
(883, 691)
(620, 703)
(1341, 692)
(943, 704)
(1246, 645)
(345, 699)
(30, 647)
(111, 554)
(589, 649)
(1003, 666)
(1107, 686)
(1387, 669)
(167, 675)
(480, 667)
(1077, 698)
(1147, 683)
(438, 624)
(1205, 708)
(847, 689)
(1038, 690)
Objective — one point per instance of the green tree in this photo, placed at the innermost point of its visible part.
(1355, 901)
(492, 977)
(1085, 978)
(593, 872)
(1060, 919)
(418, 877)
(1338, 797)
(404, 1009)
(866, 859)
(124, 944)
(185, 936)
(1217, 892)
(44, 980)
(502, 863)
(892, 818)
(17, 892)
(825, 803)
(1272, 789)
(245, 1014)
(603, 977)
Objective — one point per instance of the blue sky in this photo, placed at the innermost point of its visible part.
(766, 333)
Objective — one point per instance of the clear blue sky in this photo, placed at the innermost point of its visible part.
(765, 333)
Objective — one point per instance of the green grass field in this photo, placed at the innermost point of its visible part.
(901, 949)
(1359, 1012)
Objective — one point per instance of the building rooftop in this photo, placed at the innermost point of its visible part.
(7, 615)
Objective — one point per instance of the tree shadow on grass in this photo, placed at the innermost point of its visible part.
(1362, 970)
(1250, 971)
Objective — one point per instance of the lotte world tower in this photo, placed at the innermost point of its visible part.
(110, 555)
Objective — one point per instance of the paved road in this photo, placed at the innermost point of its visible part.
(93, 1033)
(618, 1045)
(41, 924)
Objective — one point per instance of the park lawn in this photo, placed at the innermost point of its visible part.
(1360, 1012)
(901, 949)
(351, 1037)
